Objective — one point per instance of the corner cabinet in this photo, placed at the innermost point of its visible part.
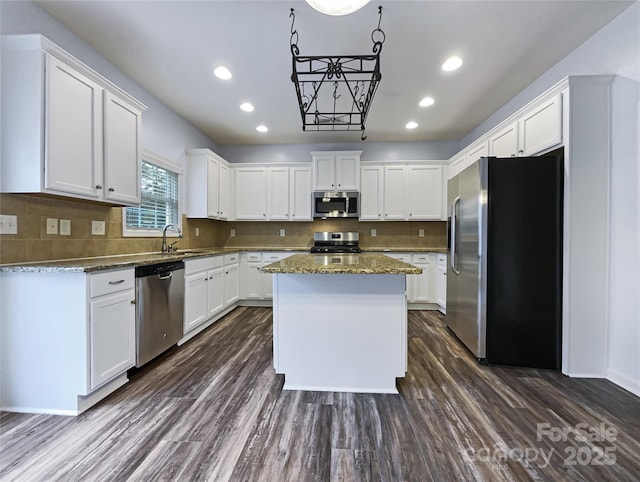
(73, 347)
(208, 185)
(73, 133)
(336, 170)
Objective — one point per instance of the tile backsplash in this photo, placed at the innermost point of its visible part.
(32, 243)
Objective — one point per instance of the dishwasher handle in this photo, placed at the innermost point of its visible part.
(167, 275)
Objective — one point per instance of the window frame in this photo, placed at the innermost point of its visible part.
(152, 158)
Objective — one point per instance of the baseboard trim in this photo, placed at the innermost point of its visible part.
(624, 381)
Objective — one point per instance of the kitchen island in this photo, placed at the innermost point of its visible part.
(340, 321)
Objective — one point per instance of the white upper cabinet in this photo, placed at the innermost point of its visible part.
(424, 193)
(478, 150)
(208, 185)
(468, 157)
(336, 170)
(541, 127)
(72, 132)
(300, 194)
(504, 143)
(402, 192)
(395, 193)
(73, 158)
(371, 193)
(122, 124)
(251, 193)
(535, 130)
(280, 193)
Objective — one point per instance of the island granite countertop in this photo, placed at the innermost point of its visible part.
(363, 263)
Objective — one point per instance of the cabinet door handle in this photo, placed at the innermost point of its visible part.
(116, 282)
(111, 189)
(98, 186)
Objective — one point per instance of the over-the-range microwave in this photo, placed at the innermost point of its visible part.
(335, 204)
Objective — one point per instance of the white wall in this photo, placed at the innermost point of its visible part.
(613, 50)
(371, 151)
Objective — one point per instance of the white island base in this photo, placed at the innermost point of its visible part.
(340, 332)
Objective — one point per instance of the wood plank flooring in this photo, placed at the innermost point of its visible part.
(214, 409)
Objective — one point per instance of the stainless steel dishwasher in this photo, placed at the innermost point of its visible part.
(159, 308)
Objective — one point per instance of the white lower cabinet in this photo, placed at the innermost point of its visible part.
(423, 284)
(73, 347)
(203, 290)
(258, 285)
(420, 287)
(231, 279)
(113, 336)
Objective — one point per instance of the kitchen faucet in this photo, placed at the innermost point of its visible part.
(165, 248)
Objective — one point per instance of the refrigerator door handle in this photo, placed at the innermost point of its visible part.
(454, 244)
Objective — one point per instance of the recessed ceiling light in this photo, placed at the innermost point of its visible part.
(247, 107)
(337, 7)
(426, 102)
(411, 125)
(222, 73)
(452, 63)
(262, 128)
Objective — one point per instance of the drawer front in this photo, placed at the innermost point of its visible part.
(111, 282)
(231, 258)
(421, 258)
(202, 264)
(254, 257)
(400, 257)
(273, 257)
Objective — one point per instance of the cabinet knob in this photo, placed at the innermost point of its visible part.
(521, 151)
(98, 186)
(111, 189)
(133, 302)
(410, 214)
(263, 214)
(293, 215)
(379, 214)
(206, 279)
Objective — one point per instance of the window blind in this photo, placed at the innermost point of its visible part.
(159, 205)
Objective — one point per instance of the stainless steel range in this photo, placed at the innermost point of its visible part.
(327, 242)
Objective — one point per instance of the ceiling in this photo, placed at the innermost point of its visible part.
(171, 48)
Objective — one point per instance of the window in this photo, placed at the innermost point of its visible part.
(160, 193)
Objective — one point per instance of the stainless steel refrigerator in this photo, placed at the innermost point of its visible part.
(504, 279)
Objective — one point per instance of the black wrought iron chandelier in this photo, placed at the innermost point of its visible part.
(335, 91)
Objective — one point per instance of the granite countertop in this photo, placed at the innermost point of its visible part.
(101, 263)
(340, 264)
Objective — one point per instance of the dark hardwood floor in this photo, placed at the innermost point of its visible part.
(214, 409)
